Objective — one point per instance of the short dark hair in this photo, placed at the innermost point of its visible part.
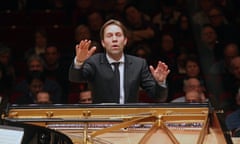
(113, 22)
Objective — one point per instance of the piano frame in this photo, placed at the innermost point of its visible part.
(88, 123)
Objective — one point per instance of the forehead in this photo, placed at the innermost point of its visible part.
(35, 62)
(207, 29)
(113, 29)
(214, 11)
(193, 81)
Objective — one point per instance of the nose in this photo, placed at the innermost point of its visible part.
(114, 38)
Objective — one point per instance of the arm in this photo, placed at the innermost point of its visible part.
(82, 53)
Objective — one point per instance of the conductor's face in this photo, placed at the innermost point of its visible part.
(114, 40)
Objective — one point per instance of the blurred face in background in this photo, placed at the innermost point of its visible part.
(85, 97)
(192, 84)
(95, 21)
(5, 58)
(82, 32)
(192, 69)
(43, 97)
(235, 67)
(35, 86)
(193, 97)
(209, 35)
(133, 16)
(230, 51)
(35, 65)
(184, 23)
(40, 40)
(167, 43)
(51, 55)
(216, 17)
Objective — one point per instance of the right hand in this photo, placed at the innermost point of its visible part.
(82, 50)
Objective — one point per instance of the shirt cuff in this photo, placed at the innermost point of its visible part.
(163, 84)
(77, 64)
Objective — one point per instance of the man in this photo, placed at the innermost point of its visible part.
(99, 72)
(193, 97)
(43, 97)
(85, 97)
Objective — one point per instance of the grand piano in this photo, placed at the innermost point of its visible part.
(166, 123)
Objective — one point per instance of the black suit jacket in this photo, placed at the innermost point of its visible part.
(98, 72)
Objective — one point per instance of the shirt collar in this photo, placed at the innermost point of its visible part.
(111, 60)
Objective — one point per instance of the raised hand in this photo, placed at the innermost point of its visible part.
(161, 72)
(82, 50)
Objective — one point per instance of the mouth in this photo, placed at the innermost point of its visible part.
(115, 46)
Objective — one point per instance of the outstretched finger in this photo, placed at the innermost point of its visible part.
(92, 50)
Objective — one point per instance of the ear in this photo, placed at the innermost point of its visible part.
(125, 41)
(103, 44)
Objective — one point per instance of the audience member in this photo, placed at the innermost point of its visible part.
(43, 97)
(56, 69)
(200, 17)
(40, 41)
(141, 30)
(176, 81)
(36, 63)
(118, 10)
(80, 11)
(85, 97)
(181, 58)
(167, 17)
(95, 20)
(190, 85)
(222, 67)
(193, 97)
(210, 49)
(7, 71)
(167, 51)
(226, 32)
(185, 38)
(35, 81)
(83, 32)
(233, 119)
(232, 84)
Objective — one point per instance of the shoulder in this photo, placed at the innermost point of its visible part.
(134, 58)
(179, 99)
(96, 56)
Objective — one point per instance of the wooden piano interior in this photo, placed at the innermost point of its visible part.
(126, 124)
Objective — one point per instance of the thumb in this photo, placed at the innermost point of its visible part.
(151, 69)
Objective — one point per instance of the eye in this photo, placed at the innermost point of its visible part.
(109, 35)
(119, 34)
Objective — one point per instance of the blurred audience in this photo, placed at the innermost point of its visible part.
(35, 81)
(56, 69)
(36, 63)
(192, 84)
(7, 71)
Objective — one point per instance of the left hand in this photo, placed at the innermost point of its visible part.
(161, 72)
